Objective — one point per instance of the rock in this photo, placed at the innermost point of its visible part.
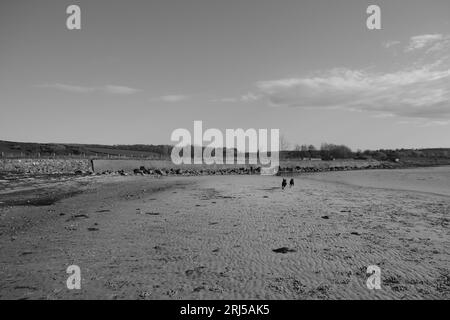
(81, 216)
(284, 250)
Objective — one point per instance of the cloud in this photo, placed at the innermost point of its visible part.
(433, 43)
(423, 41)
(172, 98)
(389, 44)
(383, 115)
(109, 89)
(119, 90)
(248, 97)
(424, 123)
(420, 92)
(231, 100)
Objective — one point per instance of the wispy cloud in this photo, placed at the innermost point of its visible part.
(173, 98)
(423, 41)
(109, 89)
(119, 89)
(248, 97)
(423, 92)
(230, 100)
(423, 123)
(423, 44)
(389, 44)
(420, 90)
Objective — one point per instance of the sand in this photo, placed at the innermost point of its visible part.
(214, 238)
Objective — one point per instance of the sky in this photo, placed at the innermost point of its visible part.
(138, 70)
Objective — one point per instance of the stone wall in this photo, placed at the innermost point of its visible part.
(81, 166)
(45, 166)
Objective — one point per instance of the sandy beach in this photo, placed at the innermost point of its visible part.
(212, 237)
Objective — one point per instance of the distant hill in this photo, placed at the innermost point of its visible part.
(25, 149)
(31, 150)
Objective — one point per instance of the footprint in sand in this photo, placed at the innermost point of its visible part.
(197, 272)
(78, 216)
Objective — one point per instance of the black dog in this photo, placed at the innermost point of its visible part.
(291, 183)
(283, 184)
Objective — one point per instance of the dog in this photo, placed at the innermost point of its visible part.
(291, 183)
(283, 184)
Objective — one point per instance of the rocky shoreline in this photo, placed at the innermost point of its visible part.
(85, 167)
(246, 170)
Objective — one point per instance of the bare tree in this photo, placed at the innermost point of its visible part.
(284, 144)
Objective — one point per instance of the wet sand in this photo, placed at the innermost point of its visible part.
(434, 180)
(214, 238)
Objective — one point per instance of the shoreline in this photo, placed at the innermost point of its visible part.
(16, 168)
